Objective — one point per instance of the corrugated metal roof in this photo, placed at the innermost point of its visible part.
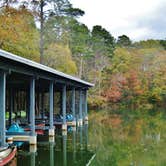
(36, 65)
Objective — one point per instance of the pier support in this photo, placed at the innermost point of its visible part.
(2, 109)
(80, 108)
(64, 125)
(27, 104)
(32, 111)
(42, 104)
(51, 99)
(11, 105)
(86, 107)
(73, 107)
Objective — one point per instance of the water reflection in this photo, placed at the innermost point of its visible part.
(74, 145)
(51, 148)
(65, 150)
(64, 137)
(129, 142)
(32, 158)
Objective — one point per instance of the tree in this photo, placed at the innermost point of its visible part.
(163, 43)
(124, 41)
(144, 44)
(103, 45)
(59, 57)
(79, 44)
(16, 35)
(45, 9)
(102, 41)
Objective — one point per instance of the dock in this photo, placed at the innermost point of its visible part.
(30, 88)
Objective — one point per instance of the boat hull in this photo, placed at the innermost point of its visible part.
(7, 155)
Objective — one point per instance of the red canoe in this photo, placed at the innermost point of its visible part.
(6, 155)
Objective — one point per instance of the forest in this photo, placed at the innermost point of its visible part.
(128, 75)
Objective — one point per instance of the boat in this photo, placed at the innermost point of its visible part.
(15, 129)
(7, 155)
(39, 127)
(58, 120)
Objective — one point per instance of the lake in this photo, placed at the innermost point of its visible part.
(109, 140)
(67, 150)
(128, 140)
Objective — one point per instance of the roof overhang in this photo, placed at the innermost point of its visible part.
(30, 65)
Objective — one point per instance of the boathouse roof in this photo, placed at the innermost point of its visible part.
(16, 63)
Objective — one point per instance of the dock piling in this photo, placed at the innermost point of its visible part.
(51, 99)
(64, 125)
(2, 108)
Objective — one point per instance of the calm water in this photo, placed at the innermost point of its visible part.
(115, 142)
(67, 150)
(129, 141)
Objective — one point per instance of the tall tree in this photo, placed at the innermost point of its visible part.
(45, 9)
(103, 45)
(102, 41)
(79, 44)
(124, 41)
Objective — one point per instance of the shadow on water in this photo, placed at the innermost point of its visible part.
(67, 150)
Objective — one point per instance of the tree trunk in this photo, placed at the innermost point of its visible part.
(41, 32)
(81, 66)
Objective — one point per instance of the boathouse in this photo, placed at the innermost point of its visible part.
(27, 85)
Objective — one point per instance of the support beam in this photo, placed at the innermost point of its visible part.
(2, 108)
(80, 108)
(86, 105)
(64, 125)
(73, 106)
(27, 104)
(33, 140)
(11, 110)
(32, 105)
(42, 104)
(61, 102)
(51, 99)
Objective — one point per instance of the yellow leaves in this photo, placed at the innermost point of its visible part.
(59, 57)
(121, 60)
(18, 33)
(96, 102)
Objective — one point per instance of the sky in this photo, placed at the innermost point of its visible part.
(138, 19)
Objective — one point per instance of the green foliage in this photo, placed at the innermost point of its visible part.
(147, 44)
(163, 43)
(136, 78)
(124, 41)
(102, 41)
(59, 57)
